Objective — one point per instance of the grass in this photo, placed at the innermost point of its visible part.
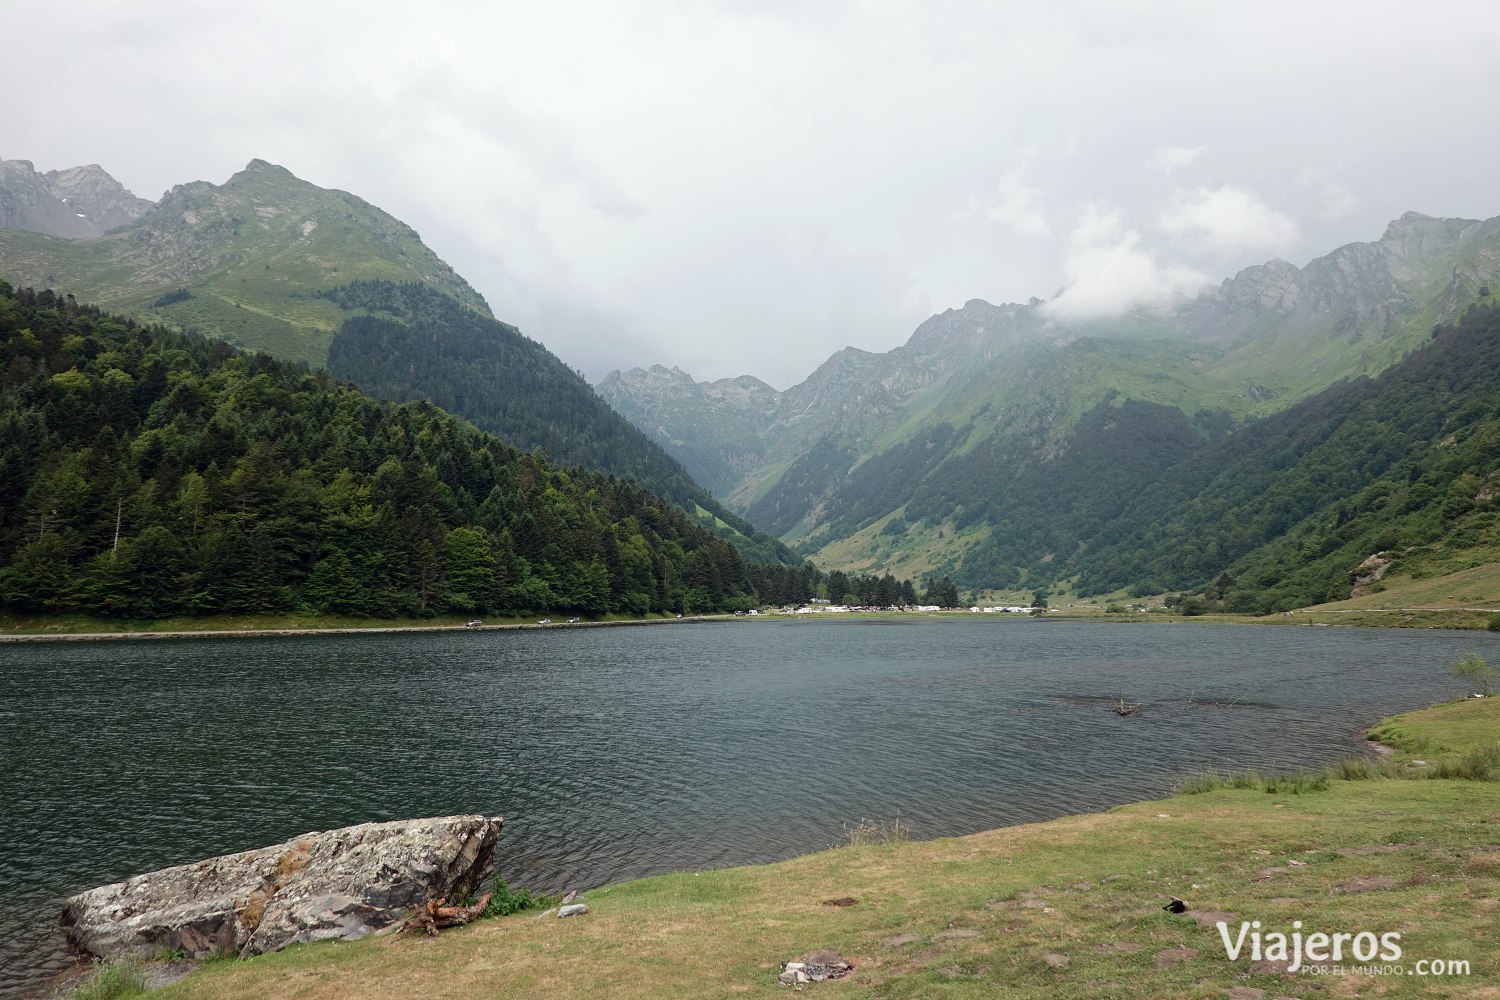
(868, 832)
(113, 979)
(1459, 727)
(1069, 908)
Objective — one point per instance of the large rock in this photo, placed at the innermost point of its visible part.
(343, 883)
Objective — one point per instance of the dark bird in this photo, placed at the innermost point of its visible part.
(1176, 906)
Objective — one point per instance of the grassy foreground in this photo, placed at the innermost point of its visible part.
(1069, 908)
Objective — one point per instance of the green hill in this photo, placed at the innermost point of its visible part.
(270, 262)
(239, 261)
(1004, 446)
(409, 341)
(145, 474)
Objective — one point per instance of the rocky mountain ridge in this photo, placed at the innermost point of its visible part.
(78, 202)
(243, 260)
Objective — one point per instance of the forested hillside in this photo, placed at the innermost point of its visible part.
(1368, 475)
(270, 262)
(144, 473)
(409, 341)
(1006, 446)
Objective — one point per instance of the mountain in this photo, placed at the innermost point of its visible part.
(710, 427)
(913, 461)
(241, 261)
(1321, 500)
(144, 474)
(270, 262)
(409, 341)
(77, 202)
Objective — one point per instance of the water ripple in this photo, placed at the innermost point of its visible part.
(615, 753)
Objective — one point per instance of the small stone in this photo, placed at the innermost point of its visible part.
(1056, 961)
(573, 910)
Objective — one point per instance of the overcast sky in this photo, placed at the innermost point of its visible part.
(746, 187)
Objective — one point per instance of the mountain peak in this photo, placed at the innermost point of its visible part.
(77, 202)
(259, 166)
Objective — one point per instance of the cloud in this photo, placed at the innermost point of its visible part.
(747, 185)
(1226, 220)
(1169, 158)
(1108, 271)
(1336, 201)
(1016, 206)
(1330, 199)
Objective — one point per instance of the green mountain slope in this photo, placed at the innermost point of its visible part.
(143, 473)
(711, 428)
(270, 262)
(906, 461)
(1370, 476)
(250, 254)
(409, 342)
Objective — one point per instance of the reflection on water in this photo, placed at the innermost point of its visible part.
(615, 753)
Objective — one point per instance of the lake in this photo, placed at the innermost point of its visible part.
(614, 753)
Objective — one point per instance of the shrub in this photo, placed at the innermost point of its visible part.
(504, 901)
(1361, 769)
(1479, 764)
(1272, 784)
(1475, 671)
(867, 832)
(113, 979)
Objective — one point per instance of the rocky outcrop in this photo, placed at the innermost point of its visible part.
(1368, 573)
(343, 883)
(78, 202)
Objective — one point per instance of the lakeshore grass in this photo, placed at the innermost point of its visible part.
(1068, 908)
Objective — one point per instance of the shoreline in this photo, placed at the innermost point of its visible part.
(1370, 618)
(262, 633)
(1128, 827)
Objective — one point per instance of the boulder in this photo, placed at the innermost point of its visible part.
(343, 883)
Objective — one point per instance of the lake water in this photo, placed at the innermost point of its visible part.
(620, 752)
